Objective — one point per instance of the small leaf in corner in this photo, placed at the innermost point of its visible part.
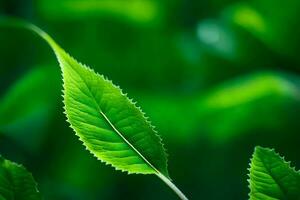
(16, 182)
(271, 177)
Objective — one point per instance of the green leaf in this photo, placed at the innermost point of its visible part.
(16, 182)
(108, 123)
(272, 178)
(267, 26)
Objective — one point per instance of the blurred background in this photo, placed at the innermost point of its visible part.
(216, 78)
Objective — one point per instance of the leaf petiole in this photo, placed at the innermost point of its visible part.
(171, 185)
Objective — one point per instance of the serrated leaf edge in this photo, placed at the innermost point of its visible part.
(276, 154)
(6, 162)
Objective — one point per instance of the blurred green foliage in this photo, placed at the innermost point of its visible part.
(29, 104)
(16, 182)
(216, 78)
(133, 11)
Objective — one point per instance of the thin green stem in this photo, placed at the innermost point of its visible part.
(171, 185)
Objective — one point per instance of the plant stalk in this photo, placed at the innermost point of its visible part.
(171, 185)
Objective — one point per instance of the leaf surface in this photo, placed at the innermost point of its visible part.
(108, 123)
(16, 182)
(272, 178)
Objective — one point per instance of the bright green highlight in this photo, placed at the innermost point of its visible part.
(249, 18)
(252, 88)
(139, 11)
